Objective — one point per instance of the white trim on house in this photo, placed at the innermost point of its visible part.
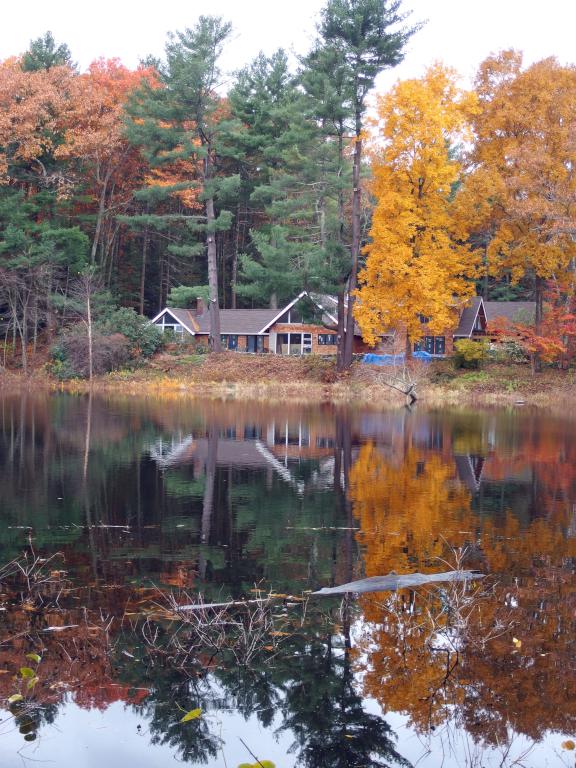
(165, 311)
(473, 326)
(284, 309)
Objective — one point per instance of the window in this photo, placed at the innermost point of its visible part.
(254, 344)
(434, 345)
(423, 318)
(327, 339)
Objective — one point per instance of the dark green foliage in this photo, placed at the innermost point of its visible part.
(44, 54)
(143, 338)
(186, 296)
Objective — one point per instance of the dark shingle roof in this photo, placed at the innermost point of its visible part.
(238, 321)
(515, 311)
(468, 318)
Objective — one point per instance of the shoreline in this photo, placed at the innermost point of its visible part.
(308, 381)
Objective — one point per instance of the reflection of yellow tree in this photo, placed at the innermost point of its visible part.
(515, 648)
(410, 512)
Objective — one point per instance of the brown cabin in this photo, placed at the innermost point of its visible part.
(307, 325)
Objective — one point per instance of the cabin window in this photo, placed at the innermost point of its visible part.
(327, 339)
(254, 343)
(434, 345)
(229, 341)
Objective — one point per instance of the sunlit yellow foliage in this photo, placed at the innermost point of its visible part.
(523, 182)
(418, 259)
(410, 509)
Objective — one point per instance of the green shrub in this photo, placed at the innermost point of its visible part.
(507, 352)
(470, 354)
(144, 339)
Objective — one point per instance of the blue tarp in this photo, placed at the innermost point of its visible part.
(373, 359)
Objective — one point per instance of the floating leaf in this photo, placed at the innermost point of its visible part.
(517, 643)
(34, 657)
(259, 764)
(194, 714)
(15, 697)
(569, 744)
(27, 673)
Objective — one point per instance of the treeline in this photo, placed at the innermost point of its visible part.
(158, 178)
(158, 184)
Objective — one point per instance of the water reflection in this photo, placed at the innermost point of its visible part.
(221, 497)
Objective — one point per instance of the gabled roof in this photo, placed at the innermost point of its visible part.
(251, 321)
(515, 311)
(183, 316)
(239, 321)
(468, 318)
(278, 314)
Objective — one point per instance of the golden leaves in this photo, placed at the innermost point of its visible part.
(417, 262)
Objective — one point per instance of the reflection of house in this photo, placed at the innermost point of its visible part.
(275, 446)
(306, 325)
(469, 469)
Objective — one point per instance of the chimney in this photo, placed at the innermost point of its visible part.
(200, 306)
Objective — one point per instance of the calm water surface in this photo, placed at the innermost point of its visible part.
(121, 502)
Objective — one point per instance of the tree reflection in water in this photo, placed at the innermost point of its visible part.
(224, 498)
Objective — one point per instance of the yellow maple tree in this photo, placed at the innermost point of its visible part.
(522, 182)
(418, 261)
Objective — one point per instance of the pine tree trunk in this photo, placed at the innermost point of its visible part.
(143, 270)
(341, 333)
(355, 249)
(90, 337)
(215, 340)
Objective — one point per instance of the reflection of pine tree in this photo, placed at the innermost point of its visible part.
(327, 716)
(195, 741)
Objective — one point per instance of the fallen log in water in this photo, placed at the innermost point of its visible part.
(394, 581)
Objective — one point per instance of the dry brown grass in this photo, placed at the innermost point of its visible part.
(313, 379)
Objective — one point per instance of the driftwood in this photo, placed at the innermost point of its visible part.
(393, 581)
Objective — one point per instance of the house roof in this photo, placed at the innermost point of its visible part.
(252, 321)
(239, 321)
(468, 318)
(515, 311)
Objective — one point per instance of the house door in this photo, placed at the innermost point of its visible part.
(306, 343)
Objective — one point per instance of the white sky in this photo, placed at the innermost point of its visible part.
(459, 32)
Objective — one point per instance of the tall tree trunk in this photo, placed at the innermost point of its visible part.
(539, 297)
(100, 216)
(341, 332)
(215, 340)
(90, 335)
(143, 270)
(355, 248)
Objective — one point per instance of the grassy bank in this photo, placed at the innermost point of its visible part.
(313, 379)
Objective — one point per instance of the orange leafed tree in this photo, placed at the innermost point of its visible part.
(417, 261)
(95, 144)
(522, 186)
(30, 106)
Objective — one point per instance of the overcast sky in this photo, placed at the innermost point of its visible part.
(459, 32)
